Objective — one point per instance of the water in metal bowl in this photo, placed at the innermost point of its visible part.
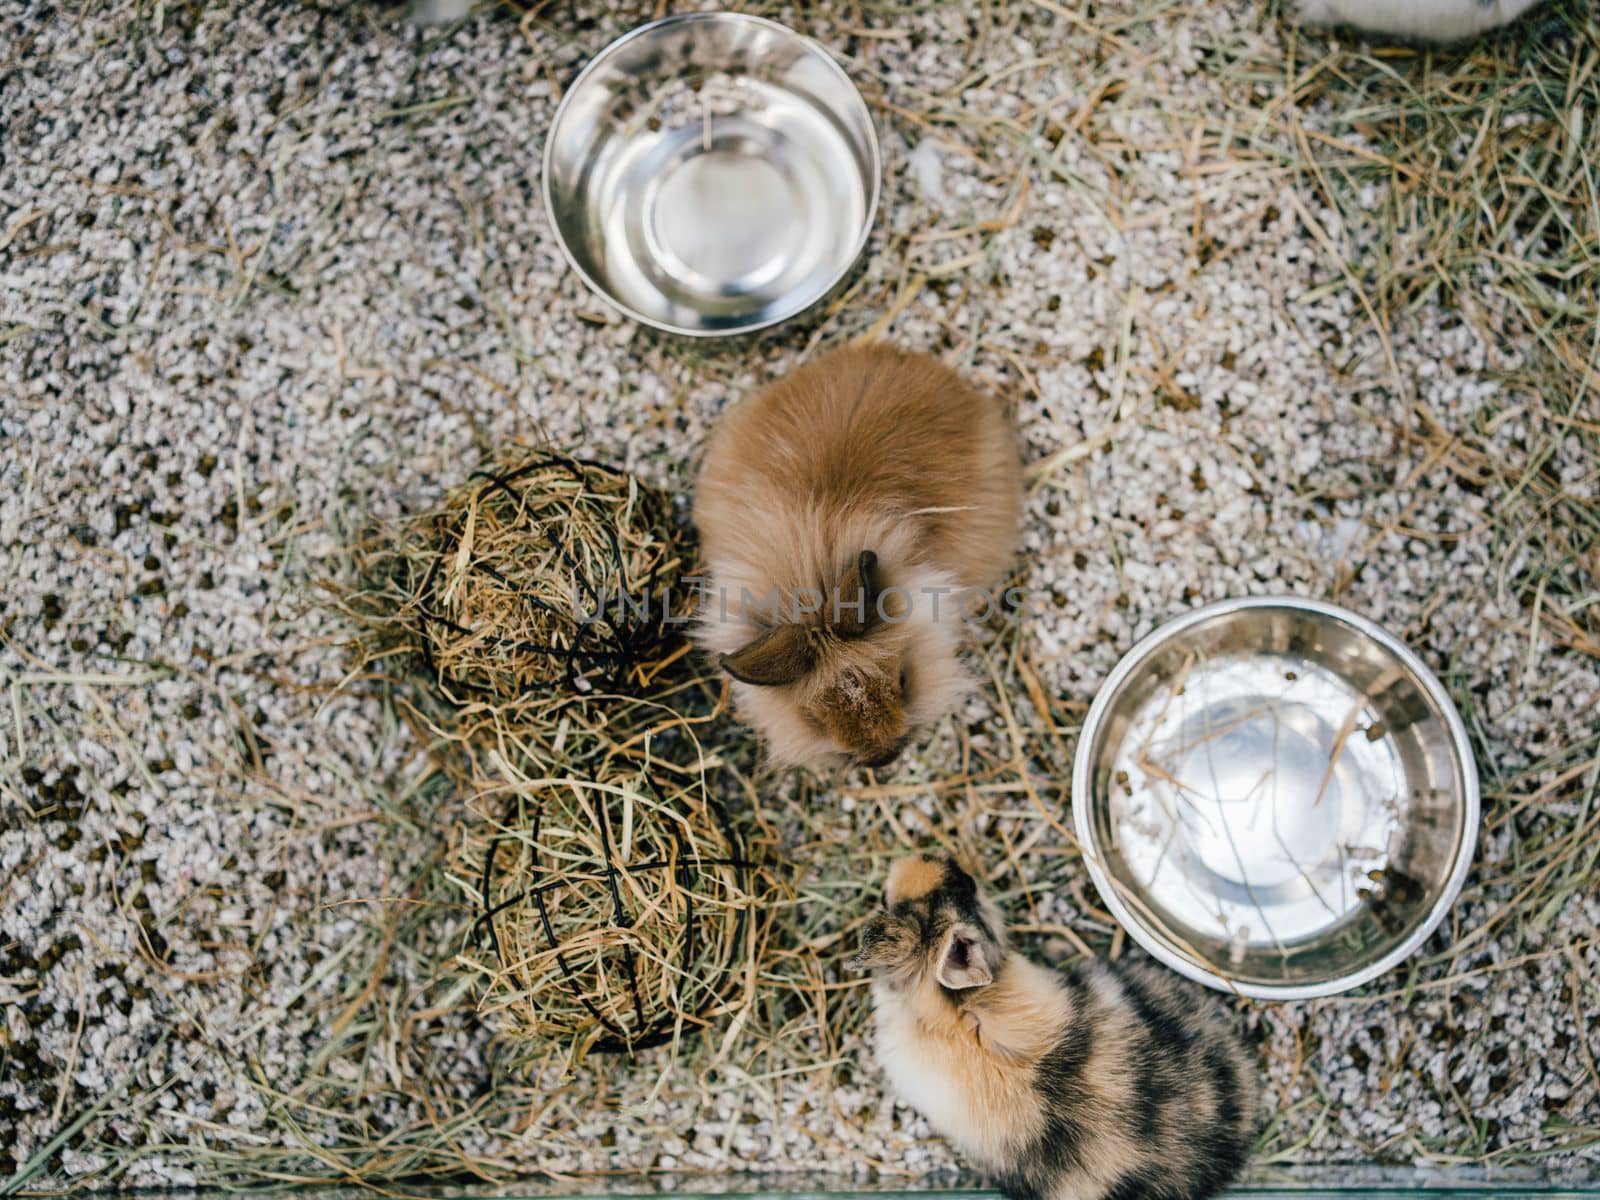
(1275, 797)
(712, 173)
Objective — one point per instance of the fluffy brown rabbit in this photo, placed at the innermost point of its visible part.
(847, 512)
(1099, 1080)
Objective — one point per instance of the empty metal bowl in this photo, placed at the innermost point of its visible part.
(1275, 797)
(712, 173)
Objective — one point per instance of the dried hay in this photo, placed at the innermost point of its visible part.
(616, 901)
(542, 574)
(616, 912)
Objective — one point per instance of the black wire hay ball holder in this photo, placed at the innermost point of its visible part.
(599, 598)
(616, 948)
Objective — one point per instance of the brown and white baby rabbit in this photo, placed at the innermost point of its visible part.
(1115, 1080)
(841, 511)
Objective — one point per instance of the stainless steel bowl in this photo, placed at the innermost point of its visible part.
(712, 173)
(1275, 797)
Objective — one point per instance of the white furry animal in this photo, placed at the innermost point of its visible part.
(1423, 20)
(837, 508)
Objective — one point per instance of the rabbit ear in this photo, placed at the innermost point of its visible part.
(780, 655)
(855, 603)
(962, 962)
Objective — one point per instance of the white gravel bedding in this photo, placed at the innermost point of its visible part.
(267, 270)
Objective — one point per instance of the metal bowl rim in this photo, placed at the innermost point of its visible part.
(1083, 798)
(875, 154)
